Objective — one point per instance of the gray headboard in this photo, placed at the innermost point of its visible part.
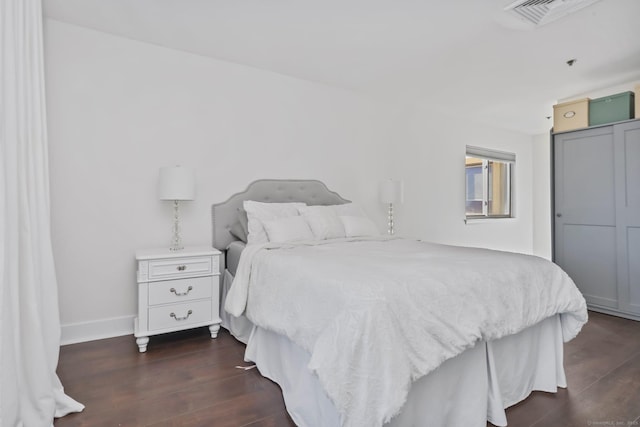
(309, 191)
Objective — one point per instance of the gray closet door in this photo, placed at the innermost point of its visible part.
(627, 169)
(585, 212)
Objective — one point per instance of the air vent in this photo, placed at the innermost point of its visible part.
(541, 12)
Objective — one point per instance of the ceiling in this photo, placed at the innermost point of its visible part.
(463, 57)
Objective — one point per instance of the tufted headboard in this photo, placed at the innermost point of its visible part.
(309, 191)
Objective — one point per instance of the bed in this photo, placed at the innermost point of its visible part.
(442, 352)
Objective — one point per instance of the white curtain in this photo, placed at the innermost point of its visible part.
(31, 393)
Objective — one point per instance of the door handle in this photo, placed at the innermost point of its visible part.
(559, 215)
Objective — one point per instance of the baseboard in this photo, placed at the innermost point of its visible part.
(613, 312)
(73, 333)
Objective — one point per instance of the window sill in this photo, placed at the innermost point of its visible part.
(472, 221)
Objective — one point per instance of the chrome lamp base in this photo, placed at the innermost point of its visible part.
(176, 241)
(390, 229)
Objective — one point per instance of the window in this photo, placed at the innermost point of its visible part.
(488, 178)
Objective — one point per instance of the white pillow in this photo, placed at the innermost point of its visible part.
(257, 212)
(349, 209)
(355, 226)
(323, 221)
(288, 229)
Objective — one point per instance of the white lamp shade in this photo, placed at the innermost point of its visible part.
(391, 191)
(176, 183)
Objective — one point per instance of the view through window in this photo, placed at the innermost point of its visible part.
(488, 183)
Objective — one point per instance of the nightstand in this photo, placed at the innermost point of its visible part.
(177, 290)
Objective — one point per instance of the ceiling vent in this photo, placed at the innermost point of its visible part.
(541, 12)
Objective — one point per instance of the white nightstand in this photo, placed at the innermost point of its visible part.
(177, 290)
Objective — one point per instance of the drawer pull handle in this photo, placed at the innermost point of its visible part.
(181, 294)
(181, 267)
(181, 318)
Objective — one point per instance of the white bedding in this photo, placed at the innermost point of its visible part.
(376, 315)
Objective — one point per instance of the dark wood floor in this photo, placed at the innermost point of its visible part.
(188, 379)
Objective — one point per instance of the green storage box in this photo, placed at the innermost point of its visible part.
(609, 109)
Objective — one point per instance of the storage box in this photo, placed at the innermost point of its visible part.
(571, 115)
(637, 96)
(609, 109)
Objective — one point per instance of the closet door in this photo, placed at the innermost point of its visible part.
(585, 212)
(627, 169)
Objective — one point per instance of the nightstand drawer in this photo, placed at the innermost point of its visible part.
(179, 315)
(162, 269)
(176, 291)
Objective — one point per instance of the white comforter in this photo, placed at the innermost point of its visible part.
(376, 315)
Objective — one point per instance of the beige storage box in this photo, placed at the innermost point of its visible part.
(637, 91)
(571, 115)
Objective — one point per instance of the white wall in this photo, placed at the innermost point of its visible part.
(120, 109)
(542, 195)
(432, 166)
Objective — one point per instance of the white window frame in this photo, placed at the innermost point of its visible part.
(487, 155)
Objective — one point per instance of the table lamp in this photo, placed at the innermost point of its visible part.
(390, 192)
(176, 183)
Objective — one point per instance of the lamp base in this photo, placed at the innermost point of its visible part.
(176, 240)
(390, 229)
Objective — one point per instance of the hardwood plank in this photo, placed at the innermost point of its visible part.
(123, 352)
(613, 400)
(604, 344)
(245, 410)
(188, 379)
(536, 406)
(281, 419)
(586, 361)
(136, 408)
(155, 379)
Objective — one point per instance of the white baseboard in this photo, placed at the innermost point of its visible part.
(96, 330)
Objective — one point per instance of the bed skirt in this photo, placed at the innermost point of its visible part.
(239, 327)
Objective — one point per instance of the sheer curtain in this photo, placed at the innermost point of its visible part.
(30, 392)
